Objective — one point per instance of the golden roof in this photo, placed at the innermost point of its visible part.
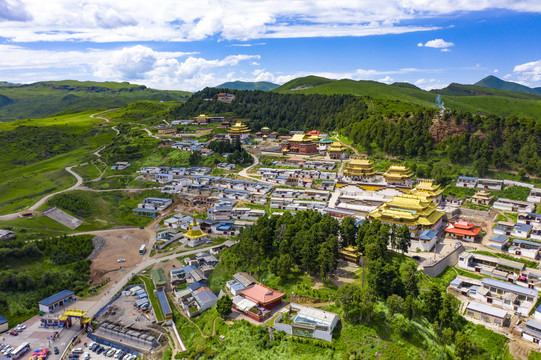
(336, 146)
(265, 128)
(194, 231)
(427, 188)
(298, 137)
(398, 171)
(411, 210)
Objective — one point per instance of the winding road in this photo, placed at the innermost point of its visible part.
(68, 169)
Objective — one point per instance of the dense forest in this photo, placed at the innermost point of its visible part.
(388, 291)
(483, 141)
(237, 154)
(33, 270)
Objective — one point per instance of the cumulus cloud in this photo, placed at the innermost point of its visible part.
(429, 84)
(13, 10)
(530, 71)
(437, 44)
(173, 20)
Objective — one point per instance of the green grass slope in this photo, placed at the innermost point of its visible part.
(496, 83)
(50, 98)
(476, 99)
(244, 85)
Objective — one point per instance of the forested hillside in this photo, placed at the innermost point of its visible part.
(504, 142)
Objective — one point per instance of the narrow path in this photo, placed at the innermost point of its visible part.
(150, 134)
(349, 146)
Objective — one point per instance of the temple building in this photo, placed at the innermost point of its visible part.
(429, 190)
(462, 230)
(360, 169)
(415, 211)
(300, 144)
(482, 198)
(398, 175)
(336, 151)
(194, 230)
(239, 131)
(350, 253)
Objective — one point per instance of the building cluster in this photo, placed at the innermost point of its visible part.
(296, 177)
(152, 206)
(306, 164)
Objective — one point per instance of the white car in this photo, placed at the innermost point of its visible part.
(86, 356)
(121, 260)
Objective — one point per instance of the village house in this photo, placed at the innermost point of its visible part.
(488, 314)
(182, 122)
(206, 152)
(521, 230)
(338, 213)
(163, 178)
(225, 98)
(196, 298)
(166, 237)
(225, 245)
(529, 249)
(256, 302)
(240, 281)
(496, 267)
(498, 241)
(529, 218)
(532, 332)
(120, 165)
(307, 322)
(452, 201)
(507, 296)
(149, 170)
(226, 166)
(535, 196)
(462, 230)
(466, 181)
(152, 206)
(503, 228)
(490, 184)
(167, 130)
(513, 205)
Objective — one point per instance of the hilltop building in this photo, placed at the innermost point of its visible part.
(398, 175)
(239, 131)
(336, 151)
(226, 98)
(360, 169)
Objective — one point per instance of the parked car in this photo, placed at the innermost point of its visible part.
(110, 352)
(56, 351)
(100, 350)
(78, 351)
(14, 333)
(86, 356)
(121, 260)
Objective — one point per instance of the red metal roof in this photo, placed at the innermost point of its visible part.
(463, 228)
(261, 294)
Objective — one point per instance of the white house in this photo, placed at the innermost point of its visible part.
(490, 184)
(513, 205)
(532, 332)
(498, 241)
(466, 181)
(525, 248)
(507, 296)
(307, 322)
(521, 230)
(50, 304)
(529, 218)
(535, 196)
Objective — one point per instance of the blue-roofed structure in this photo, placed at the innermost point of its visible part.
(498, 241)
(164, 304)
(196, 285)
(516, 289)
(205, 299)
(55, 301)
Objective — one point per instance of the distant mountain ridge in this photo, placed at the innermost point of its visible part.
(496, 83)
(248, 85)
(48, 98)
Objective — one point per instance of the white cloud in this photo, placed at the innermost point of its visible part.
(429, 84)
(173, 20)
(495, 71)
(386, 80)
(437, 44)
(530, 71)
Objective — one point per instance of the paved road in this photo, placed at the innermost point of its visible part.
(106, 297)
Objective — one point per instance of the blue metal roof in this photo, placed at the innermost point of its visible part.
(3, 320)
(188, 268)
(526, 242)
(522, 227)
(467, 178)
(224, 227)
(163, 302)
(534, 214)
(205, 297)
(195, 286)
(56, 297)
(238, 286)
(499, 238)
(428, 235)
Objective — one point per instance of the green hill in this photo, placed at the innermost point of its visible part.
(245, 85)
(495, 83)
(48, 98)
(472, 98)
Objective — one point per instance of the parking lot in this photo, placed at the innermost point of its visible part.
(93, 355)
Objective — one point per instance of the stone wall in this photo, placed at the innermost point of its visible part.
(433, 269)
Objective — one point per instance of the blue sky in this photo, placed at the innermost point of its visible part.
(189, 44)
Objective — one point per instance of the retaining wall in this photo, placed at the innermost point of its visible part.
(434, 269)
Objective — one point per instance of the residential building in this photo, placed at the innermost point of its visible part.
(167, 130)
(521, 230)
(488, 314)
(163, 178)
(256, 301)
(482, 198)
(225, 98)
(206, 152)
(452, 201)
(513, 205)
(466, 181)
(496, 267)
(225, 245)
(507, 296)
(50, 304)
(398, 175)
(154, 203)
(529, 218)
(226, 166)
(503, 228)
(535, 196)
(196, 298)
(532, 331)
(3, 324)
(462, 230)
(240, 281)
(498, 241)
(536, 232)
(120, 165)
(360, 169)
(307, 322)
(525, 248)
(490, 184)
